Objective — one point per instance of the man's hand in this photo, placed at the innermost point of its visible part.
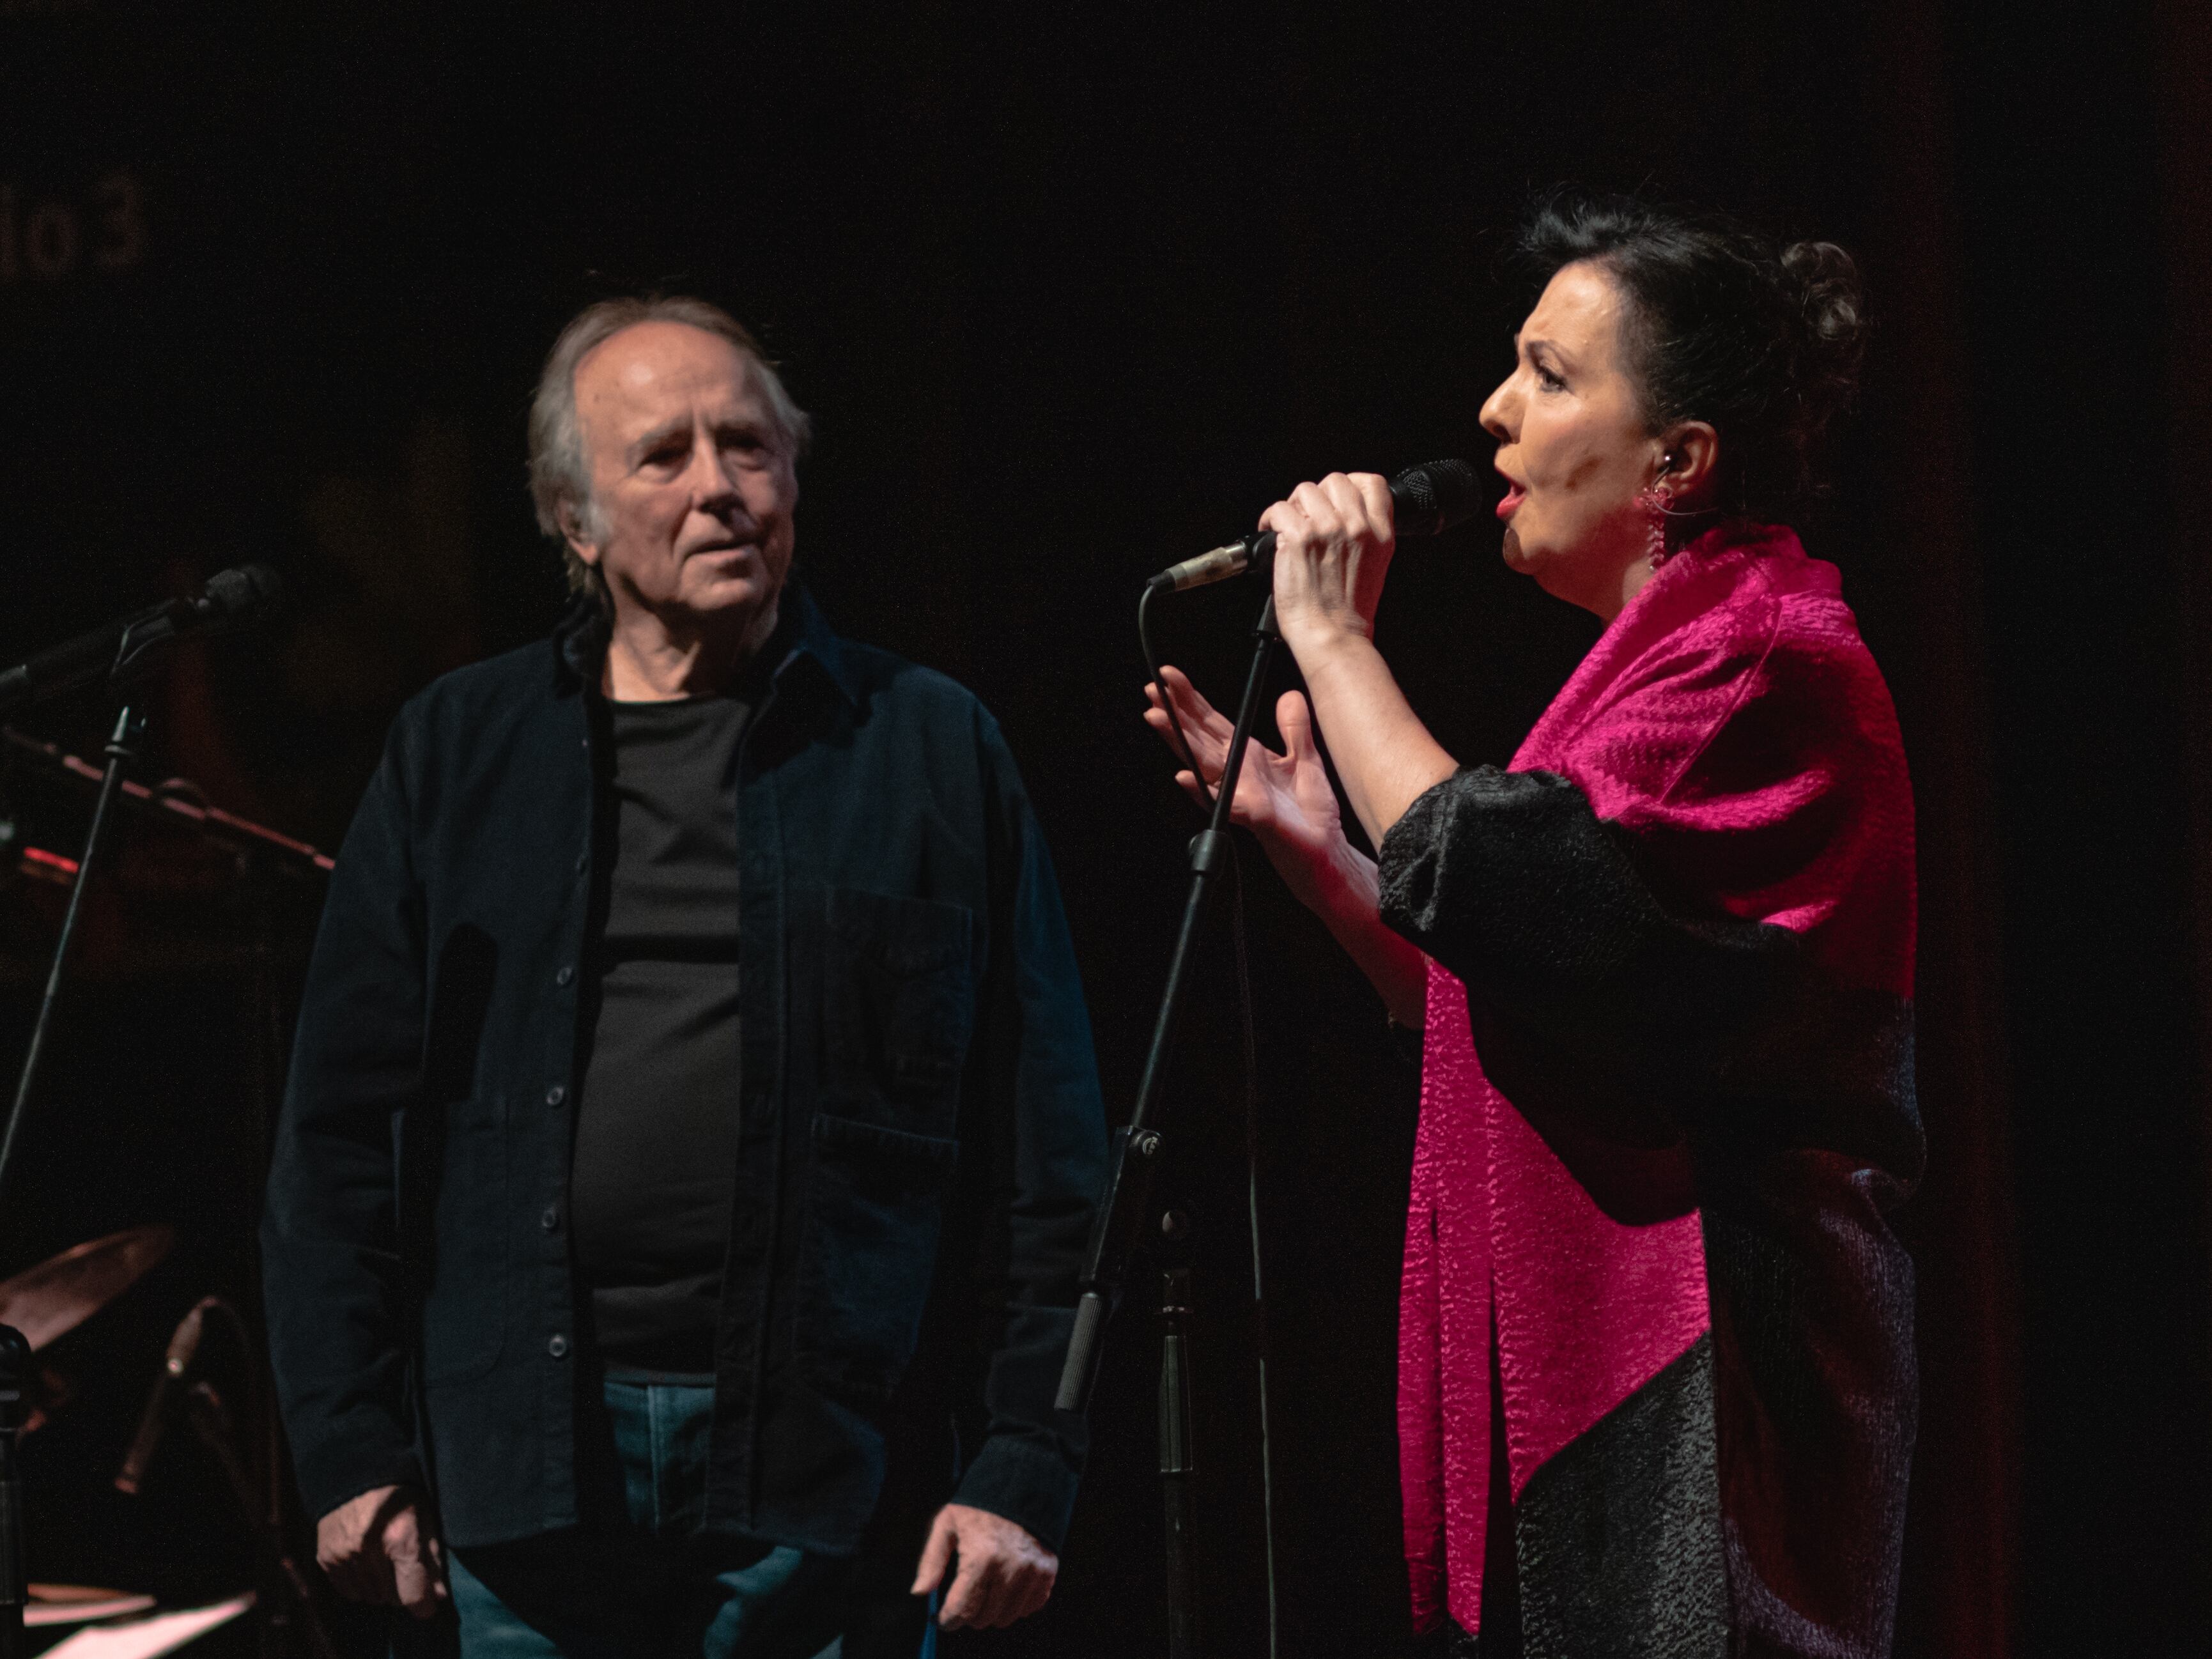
(1003, 1574)
(378, 1547)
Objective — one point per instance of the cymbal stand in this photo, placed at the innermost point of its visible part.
(210, 1416)
(15, 1570)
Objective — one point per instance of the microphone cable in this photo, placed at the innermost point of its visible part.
(1252, 1211)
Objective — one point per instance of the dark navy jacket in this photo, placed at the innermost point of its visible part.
(922, 1132)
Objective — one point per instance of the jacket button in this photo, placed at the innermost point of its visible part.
(555, 1095)
(557, 1345)
(551, 1218)
(564, 976)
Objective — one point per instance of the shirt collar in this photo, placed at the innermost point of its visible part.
(802, 634)
(811, 638)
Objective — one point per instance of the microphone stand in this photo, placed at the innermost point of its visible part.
(1139, 1150)
(122, 752)
(231, 599)
(1178, 1466)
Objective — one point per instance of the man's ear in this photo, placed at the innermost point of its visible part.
(1690, 454)
(572, 532)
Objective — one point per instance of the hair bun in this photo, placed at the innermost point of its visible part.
(1821, 289)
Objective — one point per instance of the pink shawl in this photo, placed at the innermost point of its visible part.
(1503, 1243)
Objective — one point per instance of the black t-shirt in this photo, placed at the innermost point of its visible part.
(657, 1124)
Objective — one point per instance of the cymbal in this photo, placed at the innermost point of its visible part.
(79, 1604)
(47, 1302)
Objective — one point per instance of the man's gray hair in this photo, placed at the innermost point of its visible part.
(560, 472)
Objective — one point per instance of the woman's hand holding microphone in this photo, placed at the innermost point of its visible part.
(1333, 544)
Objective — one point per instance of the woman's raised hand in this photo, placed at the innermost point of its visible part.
(1285, 799)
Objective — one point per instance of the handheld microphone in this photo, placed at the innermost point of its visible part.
(120, 651)
(1427, 500)
(161, 1398)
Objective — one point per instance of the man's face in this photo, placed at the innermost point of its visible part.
(694, 485)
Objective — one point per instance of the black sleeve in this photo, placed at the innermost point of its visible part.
(1034, 1070)
(330, 1260)
(1589, 992)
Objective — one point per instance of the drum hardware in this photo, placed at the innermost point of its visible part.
(175, 800)
(151, 1634)
(80, 1604)
(47, 1302)
(288, 1601)
(210, 1417)
(116, 656)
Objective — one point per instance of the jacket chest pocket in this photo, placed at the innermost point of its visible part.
(899, 1004)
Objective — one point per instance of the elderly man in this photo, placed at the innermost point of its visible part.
(693, 1127)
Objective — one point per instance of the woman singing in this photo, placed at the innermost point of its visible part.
(1657, 1383)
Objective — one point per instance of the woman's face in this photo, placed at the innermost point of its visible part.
(1574, 447)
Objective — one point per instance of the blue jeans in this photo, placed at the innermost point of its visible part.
(642, 1579)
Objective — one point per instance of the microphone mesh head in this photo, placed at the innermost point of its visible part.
(1436, 495)
(251, 593)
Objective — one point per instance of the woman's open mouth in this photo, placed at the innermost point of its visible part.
(1515, 495)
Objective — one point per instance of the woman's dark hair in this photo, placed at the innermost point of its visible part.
(1724, 325)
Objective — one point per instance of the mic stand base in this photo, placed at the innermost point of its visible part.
(1178, 1468)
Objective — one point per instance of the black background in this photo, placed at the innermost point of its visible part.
(1074, 291)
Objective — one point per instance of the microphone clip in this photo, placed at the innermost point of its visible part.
(1232, 559)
